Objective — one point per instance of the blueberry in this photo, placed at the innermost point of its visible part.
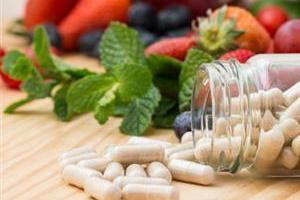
(173, 17)
(146, 37)
(142, 15)
(178, 32)
(53, 35)
(89, 43)
(182, 124)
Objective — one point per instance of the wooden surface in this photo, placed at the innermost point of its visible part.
(32, 139)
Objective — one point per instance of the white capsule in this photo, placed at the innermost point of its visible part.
(102, 189)
(287, 158)
(139, 154)
(144, 140)
(272, 98)
(292, 94)
(159, 170)
(187, 154)
(178, 148)
(293, 111)
(113, 170)
(76, 175)
(269, 147)
(191, 172)
(296, 145)
(150, 192)
(290, 129)
(76, 159)
(76, 152)
(96, 163)
(268, 121)
(135, 170)
(122, 181)
(221, 125)
(238, 130)
(189, 137)
(225, 147)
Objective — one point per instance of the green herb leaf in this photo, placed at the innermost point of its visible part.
(166, 120)
(10, 59)
(165, 105)
(168, 86)
(60, 103)
(165, 113)
(185, 94)
(22, 69)
(37, 89)
(86, 92)
(12, 107)
(121, 44)
(163, 65)
(140, 112)
(134, 80)
(43, 55)
(191, 63)
(193, 60)
(105, 106)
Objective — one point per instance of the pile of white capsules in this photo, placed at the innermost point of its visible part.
(137, 170)
(274, 145)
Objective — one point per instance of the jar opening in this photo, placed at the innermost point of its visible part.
(218, 93)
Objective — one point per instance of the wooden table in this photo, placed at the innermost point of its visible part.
(32, 139)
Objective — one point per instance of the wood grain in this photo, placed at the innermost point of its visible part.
(32, 139)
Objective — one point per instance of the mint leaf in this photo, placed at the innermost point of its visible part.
(10, 59)
(163, 65)
(12, 107)
(193, 60)
(105, 106)
(60, 103)
(121, 44)
(140, 112)
(166, 120)
(43, 55)
(83, 94)
(165, 105)
(121, 108)
(36, 88)
(134, 80)
(185, 94)
(22, 69)
(168, 86)
(191, 63)
(165, 113)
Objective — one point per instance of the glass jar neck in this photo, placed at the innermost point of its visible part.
(221, 100)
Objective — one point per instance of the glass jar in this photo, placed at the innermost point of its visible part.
(248, 115)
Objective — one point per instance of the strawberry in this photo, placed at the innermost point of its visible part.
(242, 55)
(173, 47)
(51, 11)
(15, 84)
(229, 28)
(89, 15)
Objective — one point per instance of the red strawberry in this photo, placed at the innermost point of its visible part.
(15, 84)
(242, 55)
(41, 11)
(89, 15)
(173, 47)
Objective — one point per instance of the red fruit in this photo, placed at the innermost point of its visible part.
(41, 11)
(15, 84)
(272, 17)
(242, 55)
(89, 15)
(287, 38)
(173, 47)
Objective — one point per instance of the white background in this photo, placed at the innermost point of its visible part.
(12, 8)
